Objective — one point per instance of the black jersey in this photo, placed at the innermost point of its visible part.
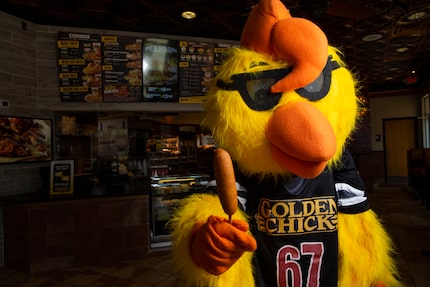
(295, 224)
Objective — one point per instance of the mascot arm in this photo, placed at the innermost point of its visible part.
(365, 252)
(198, 222)
(365, 248)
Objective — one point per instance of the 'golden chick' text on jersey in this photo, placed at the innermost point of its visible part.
(295, 224)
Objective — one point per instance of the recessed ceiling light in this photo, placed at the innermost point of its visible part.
(417, 15)
(389, 78)
(371, 37)
(188, 15)
(402, 49)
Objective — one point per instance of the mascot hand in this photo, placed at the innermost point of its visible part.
(217, 244)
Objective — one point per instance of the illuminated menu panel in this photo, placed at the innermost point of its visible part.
(122, 69)
(196, 68)
(221, 53)
(160, 70)
(79, 67)
(118, 68)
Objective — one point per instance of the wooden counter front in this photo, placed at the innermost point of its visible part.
(42, 235)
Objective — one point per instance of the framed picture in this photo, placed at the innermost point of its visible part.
(24, 139)
(62, 177)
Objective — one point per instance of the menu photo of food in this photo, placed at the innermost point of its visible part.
(79, 65)
(94, 96)
(25, 139)
(122, 69)
(93, 80)
(160, 70)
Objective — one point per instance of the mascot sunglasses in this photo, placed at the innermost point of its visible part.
(254, 88)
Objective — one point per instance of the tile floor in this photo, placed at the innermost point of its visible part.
(407, 220)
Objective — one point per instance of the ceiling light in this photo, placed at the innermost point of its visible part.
(371, 37)
(417, 15)
(188, 15)
(402, 49)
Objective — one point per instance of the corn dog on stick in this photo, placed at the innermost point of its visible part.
(226, 182)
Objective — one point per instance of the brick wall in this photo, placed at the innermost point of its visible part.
(18, 85)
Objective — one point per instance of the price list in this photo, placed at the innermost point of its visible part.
(221, 53)
(196, 68)
(122, 69)
(61, 177)
(79, 67)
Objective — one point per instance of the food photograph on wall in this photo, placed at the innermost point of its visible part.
(196, 68)
(25, 139)
(79, 67)
(122, 69)
(160, 70)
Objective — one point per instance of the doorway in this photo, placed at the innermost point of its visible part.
(399, 136)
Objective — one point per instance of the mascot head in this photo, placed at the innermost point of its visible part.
(283, 103)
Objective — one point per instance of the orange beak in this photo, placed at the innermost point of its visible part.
(301, 139)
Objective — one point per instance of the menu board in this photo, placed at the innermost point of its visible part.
(109, 68)
(160, 70)
(122, 69)
(196, 70)
(79, 67)
(62, 177)
(221, 54)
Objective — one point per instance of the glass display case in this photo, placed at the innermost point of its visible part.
(166, 194)
(76, 139)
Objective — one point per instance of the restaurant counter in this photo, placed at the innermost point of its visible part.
(44, 233)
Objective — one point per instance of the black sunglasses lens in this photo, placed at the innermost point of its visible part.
(254, 88)
(320, 87)
(259, 96)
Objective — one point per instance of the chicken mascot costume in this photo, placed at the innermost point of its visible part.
(290, 208)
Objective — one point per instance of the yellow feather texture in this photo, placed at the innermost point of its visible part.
(365, 252)
(194, 209)
(241, 130)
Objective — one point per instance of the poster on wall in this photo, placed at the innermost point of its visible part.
(160, 70)
(196, 70)
(79, 67)
(122, 69)
(61, 177)
(25, 139)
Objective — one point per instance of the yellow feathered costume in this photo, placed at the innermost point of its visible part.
(295, 131)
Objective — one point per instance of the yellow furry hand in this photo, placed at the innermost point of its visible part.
(217, 244)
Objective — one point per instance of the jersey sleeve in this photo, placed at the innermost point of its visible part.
(349, 186)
